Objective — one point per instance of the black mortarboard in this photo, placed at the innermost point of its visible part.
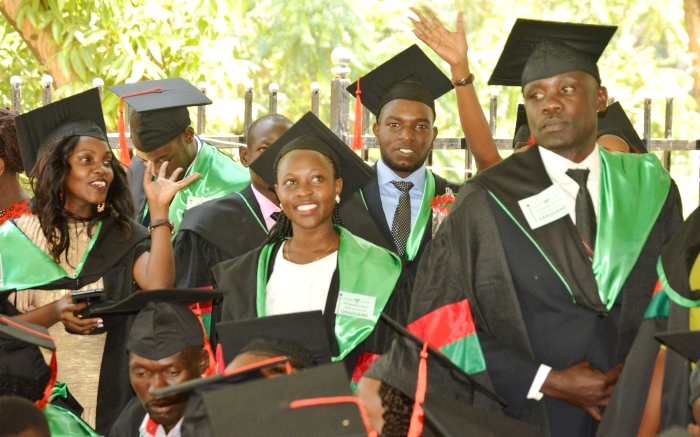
(262, 407)
(410, 75)
(686, 343)
(399, 368)
(538, 49)
(78, 115)
(162, 329)
(159, 109)
(614, 121)
(306, 331)
(449, 418)
(521, 135)
(137, 301)
(23, 370)
(17, 330)
(354, 171)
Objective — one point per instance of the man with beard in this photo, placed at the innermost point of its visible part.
(166, 347)
(401, 93)
(554, 248)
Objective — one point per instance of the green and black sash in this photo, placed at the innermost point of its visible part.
(364, 269)
(631, 187)
(24, 266)
(424, 216)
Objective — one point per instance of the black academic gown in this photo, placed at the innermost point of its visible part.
(130, 420)
(523, 313)
(240, 276)
(225, 228)
(111, 258)
(135, 177)
(624, 413)
(374, 205)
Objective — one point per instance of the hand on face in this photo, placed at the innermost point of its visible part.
(450, 46)
(90, 176)
(160, 192)
(406, 134)
(306, 187)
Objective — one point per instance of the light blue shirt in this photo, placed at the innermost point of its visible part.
(389, 194)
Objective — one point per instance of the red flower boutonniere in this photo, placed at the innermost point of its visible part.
(441, 205)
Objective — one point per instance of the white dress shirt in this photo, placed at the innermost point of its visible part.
(556, 167)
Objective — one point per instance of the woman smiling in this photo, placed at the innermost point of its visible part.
(81, 237)
(310, 261)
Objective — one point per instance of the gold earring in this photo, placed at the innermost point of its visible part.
(101, 207)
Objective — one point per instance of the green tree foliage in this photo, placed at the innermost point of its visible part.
(231, 43)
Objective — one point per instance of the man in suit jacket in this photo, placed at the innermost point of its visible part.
(401, 93)
(558, 269)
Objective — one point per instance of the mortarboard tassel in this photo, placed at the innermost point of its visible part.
(357, 127)
(213, 368)
(416, 427)
(220, 364)
(124, 156)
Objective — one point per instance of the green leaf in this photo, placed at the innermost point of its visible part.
(154, 48)
(77, 64)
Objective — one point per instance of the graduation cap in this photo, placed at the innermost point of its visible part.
(235, 376)
(410, 75)
(24, 332)
(310, 133)
(449, 418)
(538, 49)
(162, 329)
(416, 343)
(521, 135)
(135, 302)
(686, 343)
(159, 110)
(299, 335)
(277, 406)
(614, 121)
(23, 370)
(78, 115)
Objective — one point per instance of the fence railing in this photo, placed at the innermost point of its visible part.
(340, 116)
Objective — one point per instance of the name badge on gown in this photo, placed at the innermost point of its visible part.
(545, 207)
(193, 201)
(355, 305)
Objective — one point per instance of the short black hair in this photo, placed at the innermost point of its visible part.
(18, 415)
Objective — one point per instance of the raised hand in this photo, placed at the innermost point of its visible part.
(160, 192)
(450, 46)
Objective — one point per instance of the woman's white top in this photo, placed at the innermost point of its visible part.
(294, 288)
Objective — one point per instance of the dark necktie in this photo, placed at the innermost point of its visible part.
(401, 226)
(585, 214)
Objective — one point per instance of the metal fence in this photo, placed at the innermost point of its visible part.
(340, 116)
